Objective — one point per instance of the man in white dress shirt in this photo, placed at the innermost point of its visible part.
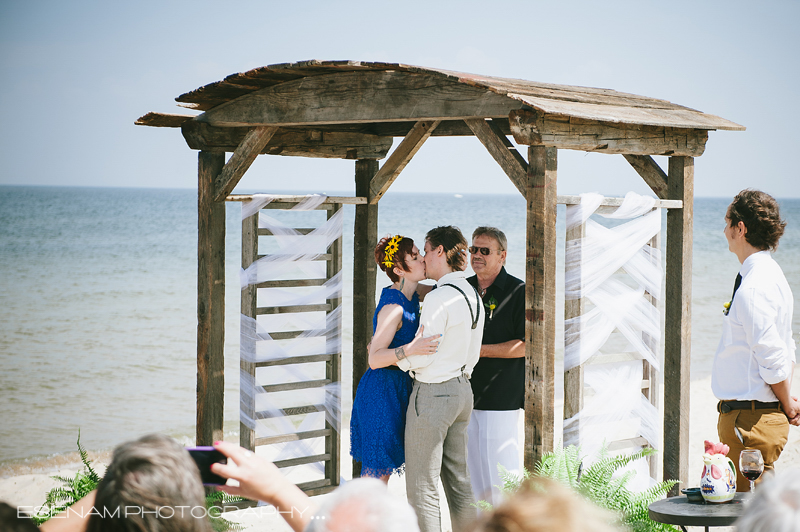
(441, 398)
(753, 365)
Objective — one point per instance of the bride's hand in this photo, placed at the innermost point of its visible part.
(422, 346)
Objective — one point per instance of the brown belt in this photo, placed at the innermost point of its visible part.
(723, 407)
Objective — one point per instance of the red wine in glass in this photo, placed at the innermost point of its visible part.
(751, 465)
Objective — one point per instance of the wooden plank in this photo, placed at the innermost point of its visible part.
(365, 238)
(303, 460)
(287, 200)
(399, 158)
(306, 486)
(300, 231)
(290, 335)
(293, 308)
(678, 319)
(573, 378)
(210, 302)
(652, 174)
(163, 120)
(333, 368)
(533, 128)
(320, 257)
(304, 359)
(247, 436)
(241, 160)
(616, 202)
(683, 118)
(540, 303)
(497, 146)
(301, 385)
(291, 283)
(296, 142)
(295, 436)
(290, 411)
(360, 97)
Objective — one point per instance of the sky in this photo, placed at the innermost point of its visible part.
(76, 75)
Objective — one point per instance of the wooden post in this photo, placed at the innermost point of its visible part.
(247, 436)
(573, 308)
(540, 303)
(678, 318)
(210, 300)
(649, 373)
(364, 274)
(333, 369)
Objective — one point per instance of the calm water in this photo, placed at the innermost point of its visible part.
(98, 295)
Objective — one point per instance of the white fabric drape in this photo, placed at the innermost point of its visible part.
(298, 256)
(614, 406)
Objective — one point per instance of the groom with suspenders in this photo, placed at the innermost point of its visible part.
(441, 398)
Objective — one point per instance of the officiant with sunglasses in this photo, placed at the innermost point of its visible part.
(498, 380)
(754, 362)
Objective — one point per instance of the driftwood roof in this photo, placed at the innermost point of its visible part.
(365, 104)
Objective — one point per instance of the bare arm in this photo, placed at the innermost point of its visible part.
(73, 519)
(260, 479)
(389, 320)
(509, 349)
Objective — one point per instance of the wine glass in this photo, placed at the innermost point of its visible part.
(751, 465)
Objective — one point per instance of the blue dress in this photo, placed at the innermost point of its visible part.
(378, 423)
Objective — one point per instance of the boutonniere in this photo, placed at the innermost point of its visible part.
(726, 307)
(490, 306)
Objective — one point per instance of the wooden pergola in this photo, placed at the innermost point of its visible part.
(352, 110)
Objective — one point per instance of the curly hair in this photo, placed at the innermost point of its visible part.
(404, 249)
(761, 215)
(453, 242)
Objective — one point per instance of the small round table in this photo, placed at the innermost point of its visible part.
(680, 511)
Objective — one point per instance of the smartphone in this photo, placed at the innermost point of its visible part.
(204, 457)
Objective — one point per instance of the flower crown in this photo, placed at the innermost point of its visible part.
(391, 248)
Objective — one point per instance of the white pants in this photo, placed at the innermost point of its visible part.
(492, 438)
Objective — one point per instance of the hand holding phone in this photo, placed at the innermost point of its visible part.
(204, 457)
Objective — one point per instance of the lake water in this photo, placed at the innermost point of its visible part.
(98, 304)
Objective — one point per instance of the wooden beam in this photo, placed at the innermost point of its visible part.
(678, 322)
(210, 301)
(241, 160)
(360, 97)
(498, 146)
(534, 128)
(574, 308)
(333, 369)
(365, 238)
(540, 303)
(652, 174)
(292, 198)
(399, 158)
(249, 308)
(297, 142)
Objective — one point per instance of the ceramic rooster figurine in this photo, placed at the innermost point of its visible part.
(718, 483)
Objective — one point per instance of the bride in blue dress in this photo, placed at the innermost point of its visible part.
(377, 426)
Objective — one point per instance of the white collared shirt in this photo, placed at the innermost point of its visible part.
(446, 312)
(757, 348)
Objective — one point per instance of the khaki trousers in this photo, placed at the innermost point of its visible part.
(766, 430)
(436, 446)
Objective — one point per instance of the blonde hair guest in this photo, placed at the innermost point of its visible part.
(543, 505)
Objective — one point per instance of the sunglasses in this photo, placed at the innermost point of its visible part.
(484, 251)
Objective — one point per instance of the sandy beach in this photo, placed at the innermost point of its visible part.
(29, 488)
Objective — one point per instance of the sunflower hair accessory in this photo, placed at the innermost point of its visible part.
(391, 248)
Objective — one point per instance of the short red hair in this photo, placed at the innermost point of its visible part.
(404, 248)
